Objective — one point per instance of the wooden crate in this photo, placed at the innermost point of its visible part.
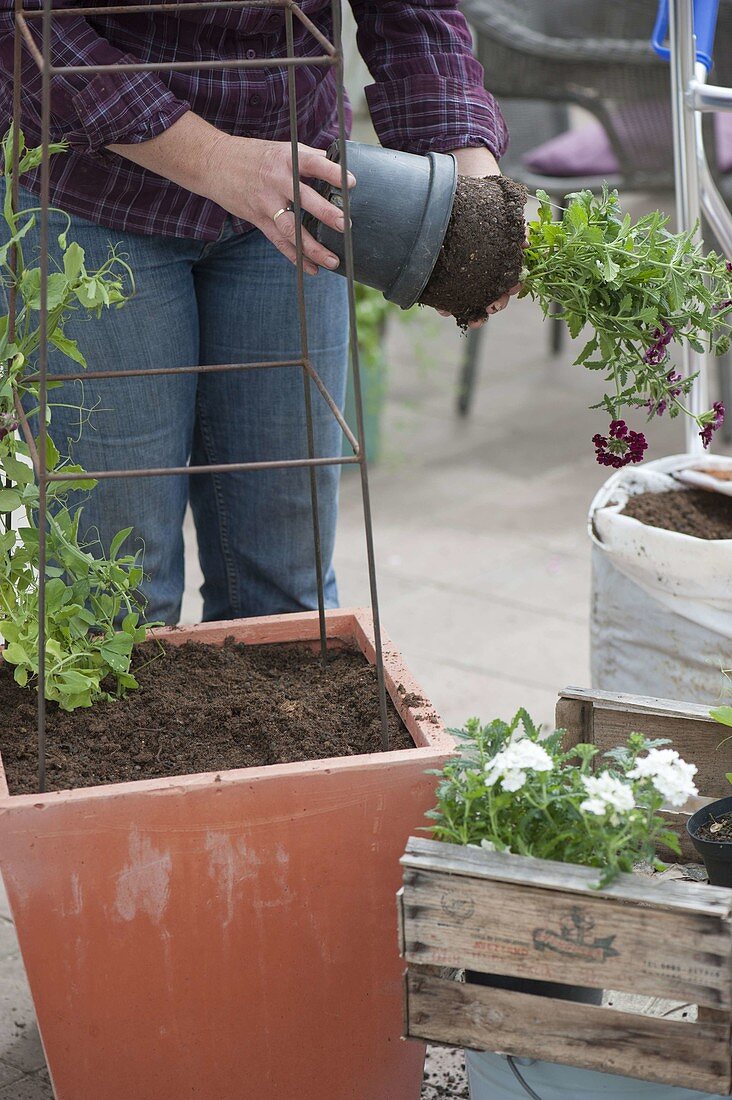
(493, 913)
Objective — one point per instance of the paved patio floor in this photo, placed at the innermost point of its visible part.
(483, 563)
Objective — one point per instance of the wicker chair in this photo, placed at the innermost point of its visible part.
(592, 55)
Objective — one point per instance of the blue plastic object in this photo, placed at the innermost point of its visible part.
(705, 26)
(490, 1078)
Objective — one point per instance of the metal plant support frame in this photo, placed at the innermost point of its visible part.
(332, 56)
(696, 191)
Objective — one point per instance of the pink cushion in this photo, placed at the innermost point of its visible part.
(587, 151)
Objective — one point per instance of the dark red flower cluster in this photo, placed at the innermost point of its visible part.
(620, 446)
(672, 378)
(658, 350)
(709, 429)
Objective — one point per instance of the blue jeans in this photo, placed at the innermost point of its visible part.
(230, 301)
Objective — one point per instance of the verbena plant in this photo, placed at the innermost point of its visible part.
(512, 790)
(638, 289)
(93, 611)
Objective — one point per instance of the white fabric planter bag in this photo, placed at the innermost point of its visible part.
(661, 601)
(490, 1078)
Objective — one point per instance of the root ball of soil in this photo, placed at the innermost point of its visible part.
(482, 254)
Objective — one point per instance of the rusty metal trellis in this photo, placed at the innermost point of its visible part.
(332, 56)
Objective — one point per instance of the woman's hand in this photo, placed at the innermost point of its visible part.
(249, 178)
(252, 179)
(481, 162)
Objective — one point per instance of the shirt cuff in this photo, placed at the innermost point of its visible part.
(436, 114)
(123, 109)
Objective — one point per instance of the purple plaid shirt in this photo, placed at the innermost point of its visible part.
(427, 95)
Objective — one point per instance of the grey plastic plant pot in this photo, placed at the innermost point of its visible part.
(717, 854)
(490, 1077)
(400, 210)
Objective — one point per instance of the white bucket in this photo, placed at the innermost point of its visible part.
(490, 1078)
(661, 601)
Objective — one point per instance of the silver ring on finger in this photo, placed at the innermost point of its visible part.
(284, 210)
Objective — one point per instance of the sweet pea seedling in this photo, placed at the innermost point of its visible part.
(93, 610)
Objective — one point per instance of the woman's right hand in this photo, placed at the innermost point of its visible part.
(250, 178)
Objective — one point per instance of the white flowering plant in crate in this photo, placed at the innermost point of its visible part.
(514, 789)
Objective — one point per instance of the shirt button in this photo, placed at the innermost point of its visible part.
(274, 21)
(251, 54)
(255, 99)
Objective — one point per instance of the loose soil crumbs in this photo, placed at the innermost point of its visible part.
(201, 708)
(482, 255)
(717, 828)
(707, 515)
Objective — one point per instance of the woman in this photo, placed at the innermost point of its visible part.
(189, 174)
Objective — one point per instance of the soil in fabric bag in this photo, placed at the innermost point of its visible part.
(662, 599)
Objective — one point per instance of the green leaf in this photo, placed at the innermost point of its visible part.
(52, 455)
(76, 681)
(117, 541)
(30, 287)
(575, 324)
(10, 499)
(73, 261)
(610, 268)
(723, 715)
(17, 471)
(589, 349)
(576, 216)
(57, 594)
(15, 239)
(126, 681)
(69, 347)
(15, 654)
(118, 662)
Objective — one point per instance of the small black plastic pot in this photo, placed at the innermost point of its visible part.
(717, 854)
(400, 210)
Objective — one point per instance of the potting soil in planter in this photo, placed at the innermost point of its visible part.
(201, 708)
(717, 828)
(482, 254)
(706, 515)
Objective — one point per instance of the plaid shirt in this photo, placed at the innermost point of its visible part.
(427, 95)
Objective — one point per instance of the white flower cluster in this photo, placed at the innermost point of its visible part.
(512, 764)
(606, 793)
(671, 776)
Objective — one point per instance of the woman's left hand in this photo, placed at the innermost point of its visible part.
(481, 162)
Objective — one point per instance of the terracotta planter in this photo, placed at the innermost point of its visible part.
(226, 936)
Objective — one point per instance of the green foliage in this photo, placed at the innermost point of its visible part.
(630, 283)
(550, 810)
(723, 715)
(86, 595)
(372, 313)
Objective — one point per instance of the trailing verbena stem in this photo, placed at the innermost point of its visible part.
(640, 290)
(93, 609)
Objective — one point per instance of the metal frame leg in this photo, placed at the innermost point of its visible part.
(469, 370)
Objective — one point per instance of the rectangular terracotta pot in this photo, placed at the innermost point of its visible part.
(228, 936)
